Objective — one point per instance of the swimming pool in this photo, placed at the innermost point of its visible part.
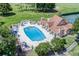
(34, 33)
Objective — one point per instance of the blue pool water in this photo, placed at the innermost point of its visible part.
(71, 18)
(34, 33)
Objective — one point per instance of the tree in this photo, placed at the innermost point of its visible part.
(4, 32)
(43, 49)
(76, 26)
(58, 44)
(8, 46)
(1, 23)
(5, 8)
(8, 43)
(45, 7)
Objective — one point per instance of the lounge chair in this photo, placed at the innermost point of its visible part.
(25, 47)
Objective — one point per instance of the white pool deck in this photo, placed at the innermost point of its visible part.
(24, 38)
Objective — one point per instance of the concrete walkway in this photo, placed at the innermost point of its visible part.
(73, 45)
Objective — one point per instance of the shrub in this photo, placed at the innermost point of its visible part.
(8, 43)
(58, 44)
(43, 49)
(4, 32)
(1, 23)
(76, 26)
(5, 8)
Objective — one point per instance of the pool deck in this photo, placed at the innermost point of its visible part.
(24, 38)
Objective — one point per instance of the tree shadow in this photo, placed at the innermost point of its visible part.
(8, 14)
(62, 51)
(47, 11)
(51, 53)
(77, 38)
(19, 51)
(65, 14)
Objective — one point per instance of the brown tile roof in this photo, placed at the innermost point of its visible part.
(55, 19)
(57, 23)
(63, 22)
(56, 29)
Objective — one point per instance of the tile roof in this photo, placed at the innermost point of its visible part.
(56, 23)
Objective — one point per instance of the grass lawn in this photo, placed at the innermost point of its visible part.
(19, 16)
(24, 15)
(68, 7)
(75, 51)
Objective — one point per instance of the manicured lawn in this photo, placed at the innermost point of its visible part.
(68, 7)
(22, 15)
(75, 51)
